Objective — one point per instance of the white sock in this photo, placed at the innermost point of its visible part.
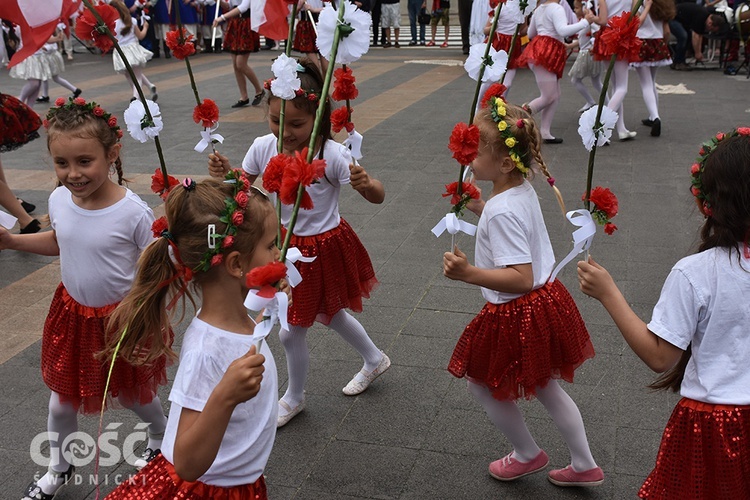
(153, 414)
(567, 418)
(355, 335)
(297, 363)
(44, 89)
(62, 420)
(506, 416)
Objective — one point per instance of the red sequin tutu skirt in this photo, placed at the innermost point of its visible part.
(239, 37)
(18, 123)
(654, 52)
(73, 335)
(502, 42)
(337, 279)
(704, 454)
(159, 481)
(304, 37)
(546, 52)
(515, 347)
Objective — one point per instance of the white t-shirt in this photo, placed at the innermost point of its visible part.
(506, 23)
(511, 231)
(550, 19)
(324, 215)
(206, 354)
(705, 301)
(128, 39)
(617, 7)
(99, 248)
(650, 28)
(586, 37)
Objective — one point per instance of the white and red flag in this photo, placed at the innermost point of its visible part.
(269, 18)
(37, 20)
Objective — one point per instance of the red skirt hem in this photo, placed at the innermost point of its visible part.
(653, 50)
(159, 480)
(703, 454)
(304, 37)
(546, 52)
(339, 277)
(18, 123)
(502, 42)
(517, 347)
(73, 335)
(239, 38)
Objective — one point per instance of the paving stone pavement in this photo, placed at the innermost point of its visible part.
(415, 433)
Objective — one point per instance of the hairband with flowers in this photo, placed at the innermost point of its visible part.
(499, 112)
(91, 107)
(696, 170)
(310, 95)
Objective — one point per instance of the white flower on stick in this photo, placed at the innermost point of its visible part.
(588, 129)
(496, 63)
(355, 33)
(138, 123)
(286, 83)
(519, 10)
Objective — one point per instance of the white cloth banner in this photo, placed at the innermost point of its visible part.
(582, 237)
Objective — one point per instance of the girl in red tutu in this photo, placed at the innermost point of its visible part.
(305, 36)
(506, 27)
(341, 272)
(98, 229)
(241, 40)
(222, 422)
(546, 57)
(698, 335)
(529, 333)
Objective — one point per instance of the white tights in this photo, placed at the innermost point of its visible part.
(647, 77)
(509, 76)
(30, 91)
(58, 80)
(596, 82)
(507, 417)
(619, 81)
(140, 78)
(298, 356)
(546, 104)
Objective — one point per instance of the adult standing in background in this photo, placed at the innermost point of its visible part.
(464, 19)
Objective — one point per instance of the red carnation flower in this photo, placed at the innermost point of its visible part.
(241, 199)
(343, 86)
(495, 90)
(340, 120)
(157, 184)
(274, 172)
(88, 28)
(467, 190)
(464, 143)
(265, 278)
(206, 113)
(238, 217)
(619, 37)
(59, 101)
(181, 46)
(300, 172)
(609, 228)
(159, 226)
(604, 200)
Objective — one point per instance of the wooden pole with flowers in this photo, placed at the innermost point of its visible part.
(98, 28)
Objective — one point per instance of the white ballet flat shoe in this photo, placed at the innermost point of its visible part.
(289, 412)
(627, 135)
(355, 386)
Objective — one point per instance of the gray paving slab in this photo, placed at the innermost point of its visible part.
(417, 433)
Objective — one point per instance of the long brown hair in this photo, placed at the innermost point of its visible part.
(125, 16)
(142, 314)
(663, 10)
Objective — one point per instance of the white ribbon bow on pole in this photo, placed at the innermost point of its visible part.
(582, 237)
(274, 309)
(207, 138)
(354, 143)
(453, 225)
(292, 275)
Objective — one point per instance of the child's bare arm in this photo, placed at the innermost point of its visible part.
(44, 243)
(510, 279)
(370, 188)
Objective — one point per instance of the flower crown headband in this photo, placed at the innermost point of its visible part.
(697, 169)
(499, 112)
(310, 95)
(91, 107)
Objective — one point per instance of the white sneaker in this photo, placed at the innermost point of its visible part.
(286, 413)
(627, 135)
(357, 385)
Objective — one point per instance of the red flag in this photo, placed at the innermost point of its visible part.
(37, 20)
(268, 17)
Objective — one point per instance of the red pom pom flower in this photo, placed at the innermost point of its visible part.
(343, 85)
(159, 226)
(265, 278)
(464, 143)
(604, 207)
(340, 120)
(157, 183)
(619, 37)
(88, 28)
(468, 192)
(495, 90)
(206, 113)
(274, 172)
(300, 172)
(180, 43)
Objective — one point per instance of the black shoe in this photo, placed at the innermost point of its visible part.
(154, 95)
(76, 93)
(34, 492)
(656, 128)
(241, 103)
(554, 140)
(28, 207)
(133, 99)
(146, 457)
(43, 98)
(412, 43)
(397, 45)
(466, 51)
(648, 122)
(32, 227)
(258, 98)
(386, 45)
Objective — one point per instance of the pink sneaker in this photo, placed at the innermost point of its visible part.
(508, 468)
(569, 477)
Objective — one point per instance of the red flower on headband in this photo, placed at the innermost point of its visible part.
(181, 46)
(468, 192)
(604, 207)
(157, 183)
(300, 172)
(60, 101)
(159, 226)
(464, 143)
(343, 85)
(265, 278)
(743, 130)
(241, 198)
(274, 172)
(88, 28)
(340, 120)
(206, 113)
(619, 37)
(495, 90)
